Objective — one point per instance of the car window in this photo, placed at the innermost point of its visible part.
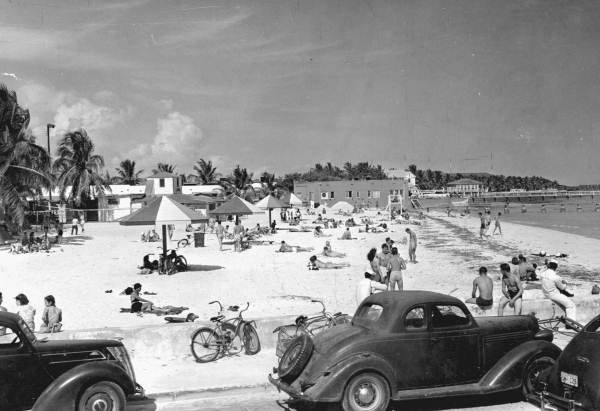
(593, 326)
(9, 338)
(370, 312)
(415, 319)
(443, 315)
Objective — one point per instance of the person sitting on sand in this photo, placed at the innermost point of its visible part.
(347, 235)
(315, 264)
(148, 265)
(512, 290)
(485, 285)
(319, 219)
(138, 304)
(25, 311)
(2, 309)
(526, 270)
(51, 317)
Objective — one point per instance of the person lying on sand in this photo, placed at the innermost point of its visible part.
(347, 235)
(318, 232)
(287, 248)
(301, 229)
(327, 252)
(315, 264)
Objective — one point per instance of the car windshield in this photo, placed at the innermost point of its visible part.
(370, 312)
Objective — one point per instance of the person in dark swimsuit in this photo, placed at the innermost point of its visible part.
(138, 304)
(485, 285)
(512, 290)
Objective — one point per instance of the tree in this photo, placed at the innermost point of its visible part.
(165, 168)
(78, 167)
(24, 165)
(239, 182)
(207, 174)
(127, 174)
(413, 169)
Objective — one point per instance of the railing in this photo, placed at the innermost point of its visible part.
(560, 193)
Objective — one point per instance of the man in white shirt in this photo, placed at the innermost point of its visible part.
(367, 286)
(551, 286)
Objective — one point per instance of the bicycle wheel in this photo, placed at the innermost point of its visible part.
(251, 341)
(206, 345)
(183, 243)
(233, 340)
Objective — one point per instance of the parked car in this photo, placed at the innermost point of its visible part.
(413, 345)
(76, 375)
(573, 382)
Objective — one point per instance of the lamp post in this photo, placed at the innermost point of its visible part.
(48, 127)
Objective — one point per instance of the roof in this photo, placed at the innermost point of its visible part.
(465, 181)
(236, 206)
(193, 199)
(406, 299)
(163, 174)
(162, 210)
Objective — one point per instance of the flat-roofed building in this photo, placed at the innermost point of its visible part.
(466, 186)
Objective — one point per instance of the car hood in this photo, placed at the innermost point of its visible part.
(53, 346)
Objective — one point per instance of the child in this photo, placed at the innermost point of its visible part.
(52, 316)
(25, 311)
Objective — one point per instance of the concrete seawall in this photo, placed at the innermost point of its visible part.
(172, 341)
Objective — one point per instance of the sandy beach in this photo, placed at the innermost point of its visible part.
(79, 272)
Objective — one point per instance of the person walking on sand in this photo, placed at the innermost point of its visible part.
(395, 267)
(543, 209)
(238, 234)
(512, 290)
(481, 225)
(497, 224)
(74, 225)
(367, 286)
(485, 285)
(552, 284)
(220, 231)
(82, 221)
(412, 245)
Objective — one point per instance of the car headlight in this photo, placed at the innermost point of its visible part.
(120, 354)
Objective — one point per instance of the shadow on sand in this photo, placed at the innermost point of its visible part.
(75, 240)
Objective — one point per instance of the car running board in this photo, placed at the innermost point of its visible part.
(448, 391)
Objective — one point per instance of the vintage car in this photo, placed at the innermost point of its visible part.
(76, 375)
(573, 382)
(414, 345)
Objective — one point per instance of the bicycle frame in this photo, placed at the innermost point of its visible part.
(236, 322)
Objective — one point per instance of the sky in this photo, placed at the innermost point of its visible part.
(509, 87)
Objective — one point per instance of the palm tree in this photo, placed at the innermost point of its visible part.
(206, 172)
(239, 182)
(127, 174)
(164, 167)
(24, 166)
(78, 167)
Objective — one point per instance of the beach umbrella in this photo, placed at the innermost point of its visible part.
(270, 202)
(236, 206)
(163, 210)
(343, 206)
(291, 200)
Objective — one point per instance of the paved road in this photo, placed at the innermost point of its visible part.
(267, 399)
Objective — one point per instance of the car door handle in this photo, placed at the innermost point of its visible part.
(434, 339)
(582, 359)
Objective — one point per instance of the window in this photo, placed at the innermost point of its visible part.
(394, 192)
(448, 316)
(375, 194)
(370, 312)
(332, 195)
(324, 195)
(415, 319)
(161, 182)
(310, 196)
(349, 194)
(369, 194)
(358, 194)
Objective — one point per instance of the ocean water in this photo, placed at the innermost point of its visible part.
(586, 223)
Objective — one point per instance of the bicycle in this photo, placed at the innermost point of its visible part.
(553, 324)
(227, 337)
(307, 325)
(184, 242)
(171, 265)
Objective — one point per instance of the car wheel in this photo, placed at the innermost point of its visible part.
(102, 396)
(294, 359)
(531, 382)
(366, 392)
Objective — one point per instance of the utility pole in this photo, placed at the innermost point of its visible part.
(48, 127)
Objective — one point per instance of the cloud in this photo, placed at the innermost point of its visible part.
(86, 114)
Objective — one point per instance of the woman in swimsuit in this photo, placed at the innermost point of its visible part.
(316, 264)
(512, 290)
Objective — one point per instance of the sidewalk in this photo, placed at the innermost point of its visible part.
(173, 379)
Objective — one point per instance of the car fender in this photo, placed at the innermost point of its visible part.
(63, 393)
(508, 371)
(329, 387)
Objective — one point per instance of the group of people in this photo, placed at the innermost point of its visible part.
(51, 316)
(485, 219)
(76, 222)
(553, 287)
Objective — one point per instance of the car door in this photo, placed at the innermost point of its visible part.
(453, 350)
(409, 356)
(22, 377)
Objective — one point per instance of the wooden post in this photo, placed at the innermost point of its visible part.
(164, 237)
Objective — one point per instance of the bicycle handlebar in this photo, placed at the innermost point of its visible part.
(313, 300)
(245, 309)
(220, 305)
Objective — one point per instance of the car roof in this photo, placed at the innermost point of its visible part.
(401, 300)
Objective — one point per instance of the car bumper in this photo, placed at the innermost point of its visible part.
(552, 402)
(288, 389)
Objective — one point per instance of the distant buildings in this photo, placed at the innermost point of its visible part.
(362, 193)
(466, 187)
(399, 173)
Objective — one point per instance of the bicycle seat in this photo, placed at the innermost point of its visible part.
(337, 314)
(234, 308)
(217, 318)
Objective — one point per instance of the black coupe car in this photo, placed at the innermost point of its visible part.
(414, 345)
(78, 375)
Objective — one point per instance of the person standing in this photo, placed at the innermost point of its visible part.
(552, 283)
(74, 225)
(563, 208)
(383, 259)
(374, 265)
(481, 225)
(412, 245)
(543, 209)
(497, 224)
(395, 267)
(485, 285)
(238, 234)
(82, 221)
(512, 290)
(219, 231)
